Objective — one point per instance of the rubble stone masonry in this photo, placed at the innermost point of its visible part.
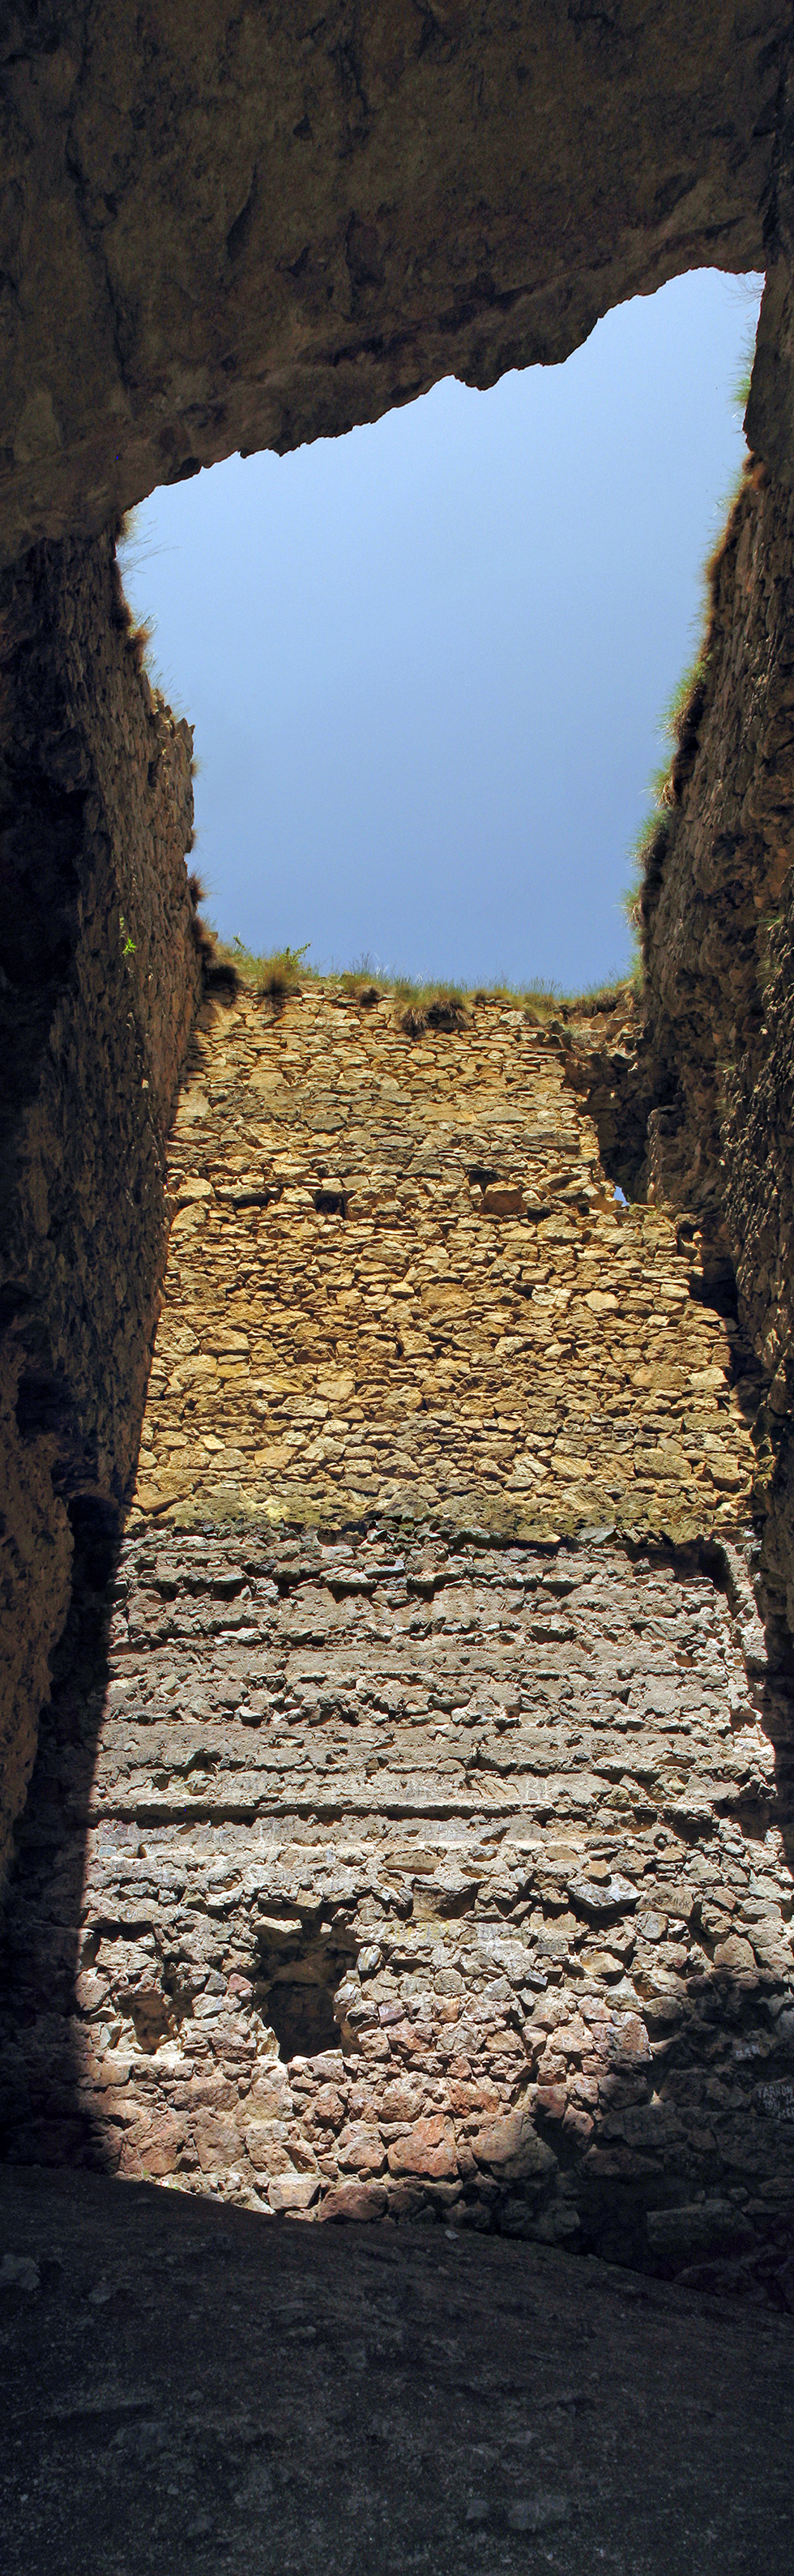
(411, 1832)
(99, 987)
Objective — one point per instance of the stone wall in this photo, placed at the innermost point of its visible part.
(420, 1877)
(269, 228)
(714, 1051)
(398, 1280)
(723, 851)
(411, 1830)
(760, 1202)
(411, 1833)
(100, 984)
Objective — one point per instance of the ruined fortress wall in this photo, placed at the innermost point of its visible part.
(411, 1832)
(718, 935)
(254, 245)
(397, 1278)
(716, 882)
(760, 1199)
(99, 992)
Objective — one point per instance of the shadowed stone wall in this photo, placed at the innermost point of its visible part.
(99, 985)
(412, 1826)
(715, 1020)
(227, 230)
(529, 1963)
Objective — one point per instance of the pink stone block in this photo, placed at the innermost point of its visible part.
(428, 2148)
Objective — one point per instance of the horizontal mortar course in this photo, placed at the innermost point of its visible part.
(411, 1829)
(450, 1880)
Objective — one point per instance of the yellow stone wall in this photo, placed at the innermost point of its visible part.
(523, 1353)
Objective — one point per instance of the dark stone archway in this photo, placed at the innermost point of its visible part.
(228, 230)
(241, 229)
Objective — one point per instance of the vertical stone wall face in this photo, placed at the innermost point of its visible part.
(398, 1279)
(411, 1833)
(718, 929)
(727, 860)
(99, 991)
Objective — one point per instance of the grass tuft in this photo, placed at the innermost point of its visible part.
(429, 1006)
(681, 722)
(740, 391)
(277, 976)
(282, 976)
(362, 982)
(420, 1007)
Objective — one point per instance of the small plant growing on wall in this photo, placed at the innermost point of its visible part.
(128, 945)
(282, 975)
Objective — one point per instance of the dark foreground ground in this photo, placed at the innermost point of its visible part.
(187, 2387)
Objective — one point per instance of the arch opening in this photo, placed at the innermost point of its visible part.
(427, 662)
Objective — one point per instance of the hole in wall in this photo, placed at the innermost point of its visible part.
(331, 1202)
(299, 1966)
(716, 1287)
(95, 1526)
(302, 2018)
(476, 609)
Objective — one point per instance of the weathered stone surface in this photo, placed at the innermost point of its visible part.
(440, 1849)
(284, 1925)
(533, 1372)
(726, 861)
(434, 1860)
(770, 410)
(226, 231)
(100, 985)
(713, 1045)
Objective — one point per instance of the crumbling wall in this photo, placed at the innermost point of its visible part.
(419, 1877)
(721, 856)
(545, 1980)
(100, 983)
(411, 1831)
(714, 1053)
(757, 1141)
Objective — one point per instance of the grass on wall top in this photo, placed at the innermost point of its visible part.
(420, 1002)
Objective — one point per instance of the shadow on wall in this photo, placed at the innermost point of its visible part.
(101, 957)
(675, 2152)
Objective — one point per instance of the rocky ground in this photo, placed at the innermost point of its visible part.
(192, 2388)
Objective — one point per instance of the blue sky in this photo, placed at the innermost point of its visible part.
(426, 662)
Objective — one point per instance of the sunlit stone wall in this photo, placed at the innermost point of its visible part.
(412, 1832)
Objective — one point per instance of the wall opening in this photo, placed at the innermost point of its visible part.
(425, 731)
(301, 1962)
